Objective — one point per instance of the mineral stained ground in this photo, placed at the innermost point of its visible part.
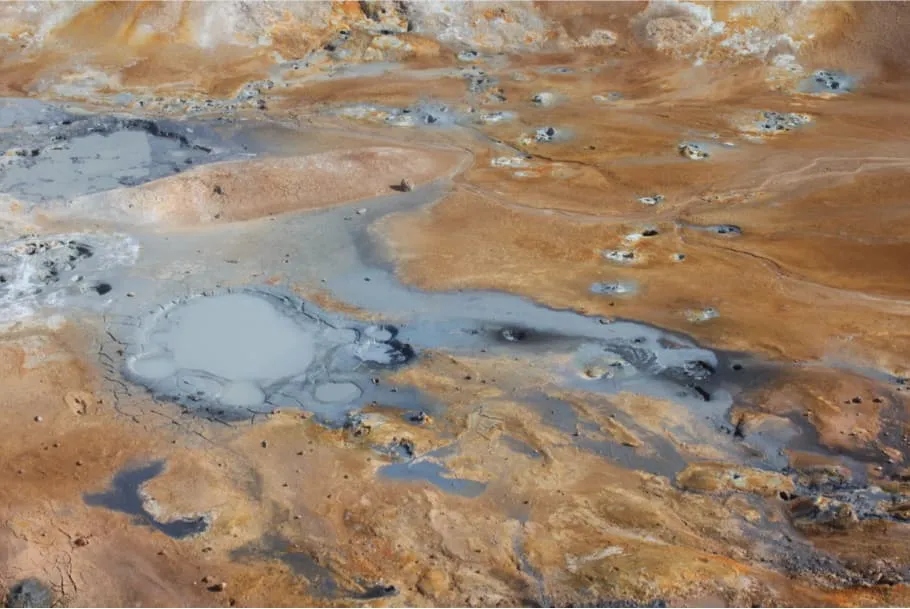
(450, 303)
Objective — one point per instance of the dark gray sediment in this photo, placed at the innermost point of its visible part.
(126, 495)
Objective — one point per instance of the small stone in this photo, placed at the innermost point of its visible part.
(693, 151)
(265, 444)
(219, 587)
(38, 418)
(406, 185)
(208, 579)
(651, 200)
(80, 542)
(79, 463)
(361, 211)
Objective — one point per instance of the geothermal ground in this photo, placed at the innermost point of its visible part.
(431, 304)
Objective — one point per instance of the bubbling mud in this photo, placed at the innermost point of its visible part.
(60, 270)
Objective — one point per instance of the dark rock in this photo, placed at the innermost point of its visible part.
(810, 513)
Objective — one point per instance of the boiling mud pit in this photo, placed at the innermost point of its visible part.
(252, 350)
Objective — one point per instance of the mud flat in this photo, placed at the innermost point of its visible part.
(397, 305)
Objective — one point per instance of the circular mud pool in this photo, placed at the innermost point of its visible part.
(247, 350)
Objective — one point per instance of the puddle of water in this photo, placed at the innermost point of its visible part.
(125, 495)
(522, 448)
(435, 474)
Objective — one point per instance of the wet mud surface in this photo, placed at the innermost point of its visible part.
(76, 154)
(402, 314)
(126, 495)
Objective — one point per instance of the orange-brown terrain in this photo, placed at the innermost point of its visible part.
(443, 303)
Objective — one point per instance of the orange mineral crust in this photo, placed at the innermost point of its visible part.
(405, 304)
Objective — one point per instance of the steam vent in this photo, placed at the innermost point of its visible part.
(445, 303)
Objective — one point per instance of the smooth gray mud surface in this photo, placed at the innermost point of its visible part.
(64, 154)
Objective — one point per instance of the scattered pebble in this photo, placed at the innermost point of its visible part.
(544, 99)
(701, 315)
(693, 151)
(623, 256)
(613, 287)
(545, 134)
(725, 229)
(775, 122)
(38, 418)
(651, 200)
(828, 81)
(419, 417)
(406, 185)
(494, 117)
(508, 161)
(611, 97)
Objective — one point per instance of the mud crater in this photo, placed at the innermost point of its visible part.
(250, 350)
